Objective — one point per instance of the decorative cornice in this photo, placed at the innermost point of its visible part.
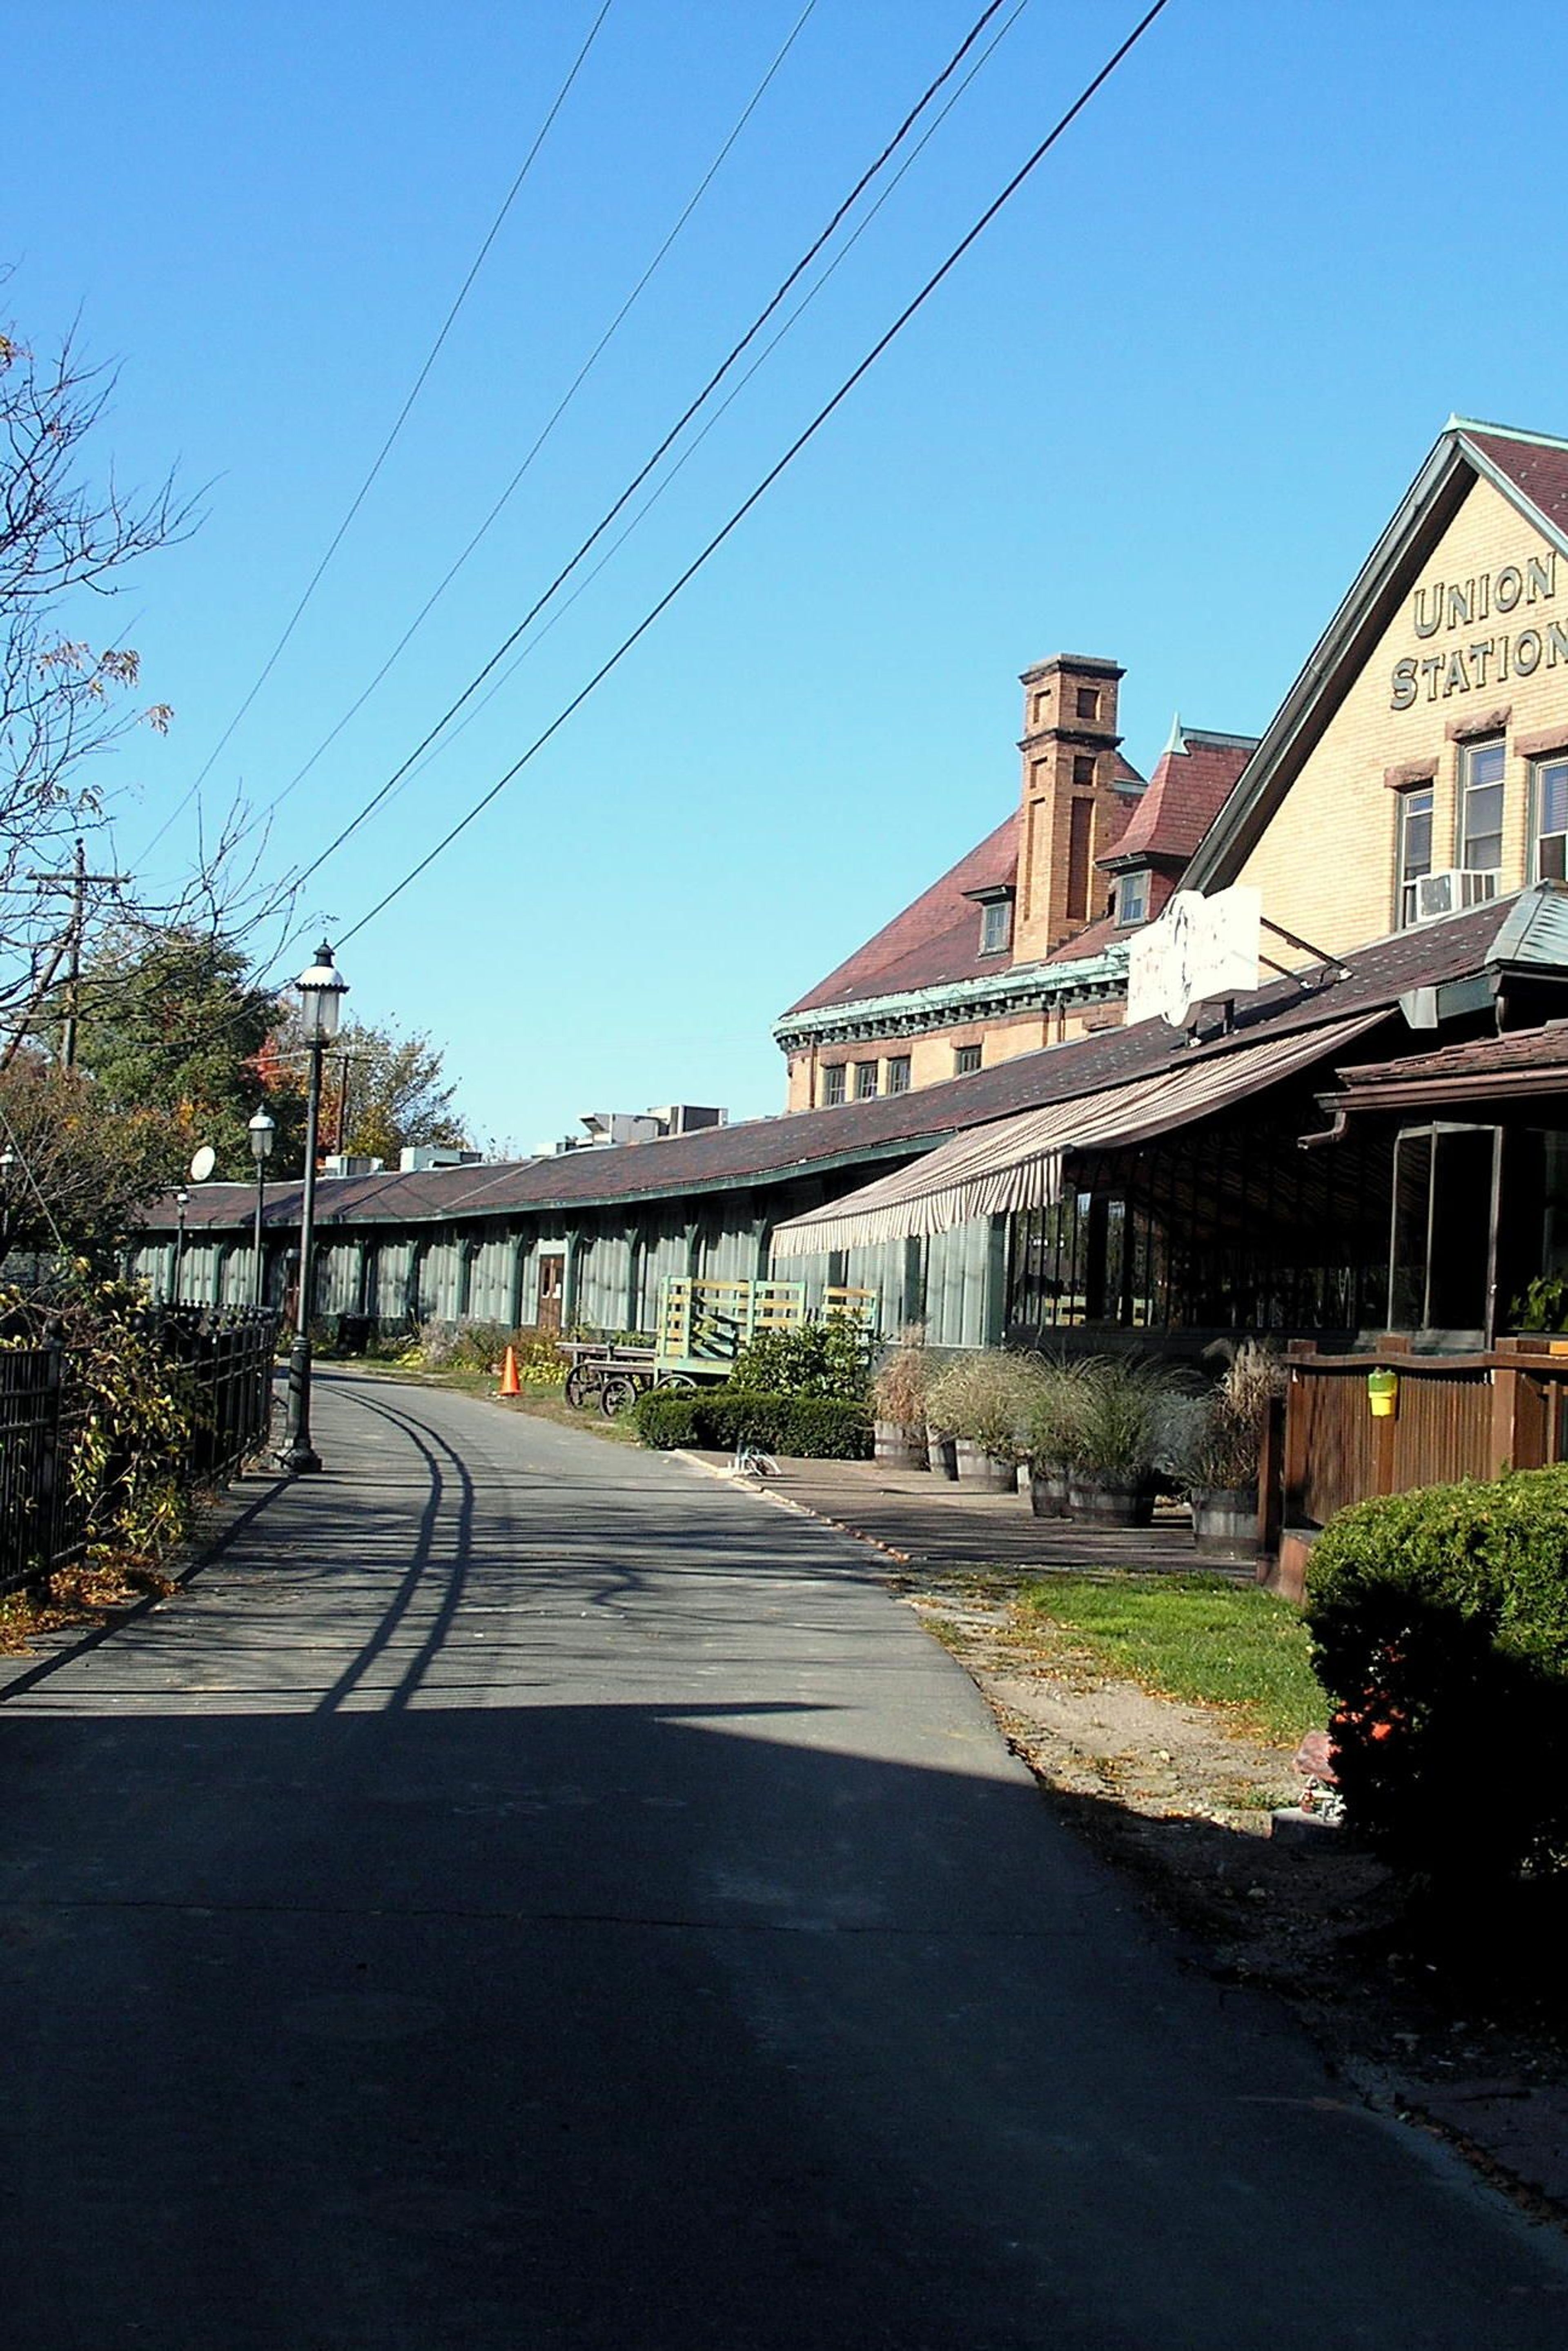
(993, 995)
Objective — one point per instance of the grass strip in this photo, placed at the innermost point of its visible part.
(1192, 1637)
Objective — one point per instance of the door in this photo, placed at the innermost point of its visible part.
(552, 1281)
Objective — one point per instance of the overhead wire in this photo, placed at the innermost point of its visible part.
(916, 304)
(735, 352)
(398, 422)
(546, 429)
(223, 1019)
(565, 603)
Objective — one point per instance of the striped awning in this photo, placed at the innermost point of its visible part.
(1016, 1162)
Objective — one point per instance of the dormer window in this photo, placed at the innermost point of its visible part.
(1132, 899)
(996, 926)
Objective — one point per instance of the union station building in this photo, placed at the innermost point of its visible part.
(1362, 1130)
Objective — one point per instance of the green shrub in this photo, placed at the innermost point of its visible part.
(480, 1346)
(822, 1428)
(829, 1358)
(1439, 1629)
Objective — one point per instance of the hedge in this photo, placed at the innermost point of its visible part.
(1439, 1629)
(823, 1429)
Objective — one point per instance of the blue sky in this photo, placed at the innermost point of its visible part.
(1160, 413)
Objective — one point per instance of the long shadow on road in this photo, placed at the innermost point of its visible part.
(514, 1902)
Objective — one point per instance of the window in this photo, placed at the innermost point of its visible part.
(996, 926)
(833, 1083)
(1080, 827)
(865, 1080)
(1132, 899)
(965, 1058)
(1088, 702)
(898, 1074)
(1414, 848)
(1480, 808)
(1083, 769)
(1550, 819)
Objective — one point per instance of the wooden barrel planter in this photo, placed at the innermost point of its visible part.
(1097, 1499)
(983, 1470)
(1048, 1492)
(899, 1448)
(1225, 1522)
(941, 1451)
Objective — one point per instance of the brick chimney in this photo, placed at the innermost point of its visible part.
(1071, 810)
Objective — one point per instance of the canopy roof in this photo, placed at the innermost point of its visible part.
(1016, 1162)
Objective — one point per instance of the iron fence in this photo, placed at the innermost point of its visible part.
(225, 1354)
(224, 1359)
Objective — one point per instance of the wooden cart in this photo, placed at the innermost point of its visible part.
(703, 1327)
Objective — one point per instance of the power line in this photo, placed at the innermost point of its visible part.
(565, 606)
(385, 450)
(550, 423)
(731, 357)
(818, 421)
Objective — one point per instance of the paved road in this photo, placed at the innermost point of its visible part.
(526, 1894)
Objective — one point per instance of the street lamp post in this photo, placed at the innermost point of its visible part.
(321, 992)
(182, 1202)
(262, 1132)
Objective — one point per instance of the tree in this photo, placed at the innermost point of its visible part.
(75, 1169)
(67, 542)
(380, 1093)
(172, 1021)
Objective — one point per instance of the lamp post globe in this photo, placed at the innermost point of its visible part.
(321, 992)
(262, 1132)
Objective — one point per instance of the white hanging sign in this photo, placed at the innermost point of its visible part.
(1201, 948)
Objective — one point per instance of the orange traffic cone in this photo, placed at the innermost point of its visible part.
(510, 1384)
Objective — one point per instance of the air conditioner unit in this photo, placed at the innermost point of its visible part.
(1452, 892)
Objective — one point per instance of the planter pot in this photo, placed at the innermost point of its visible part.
(1048, 1493)
(1225, 1522)
(983, 1470)
(942, 1451)
(1105, 1499)
(899, 1448)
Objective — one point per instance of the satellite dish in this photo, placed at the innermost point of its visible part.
(202, 1164)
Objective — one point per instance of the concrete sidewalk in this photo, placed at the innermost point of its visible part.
(923, 1522)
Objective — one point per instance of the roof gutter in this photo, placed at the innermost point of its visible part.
(1026, 985)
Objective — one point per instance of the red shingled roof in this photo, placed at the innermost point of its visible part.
(859, 1134)
(937, 938)
(1527, 1062)
(1538, 468)
(1195, 778)
(934, 940)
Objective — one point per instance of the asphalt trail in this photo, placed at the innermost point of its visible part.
(524, 1894)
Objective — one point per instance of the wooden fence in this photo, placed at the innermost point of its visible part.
(1455, 1417)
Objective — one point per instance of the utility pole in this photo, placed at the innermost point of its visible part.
(78, 881)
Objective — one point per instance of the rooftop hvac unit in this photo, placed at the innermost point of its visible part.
(688, 1118)
(1452, 892)
(418, 1158)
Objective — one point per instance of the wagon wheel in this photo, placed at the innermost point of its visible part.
(675, 1380)
(580, 1386)
(616, 1394)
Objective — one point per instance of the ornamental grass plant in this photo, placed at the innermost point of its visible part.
(983, 1397)
(1213, 1443)
(900, 1391)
